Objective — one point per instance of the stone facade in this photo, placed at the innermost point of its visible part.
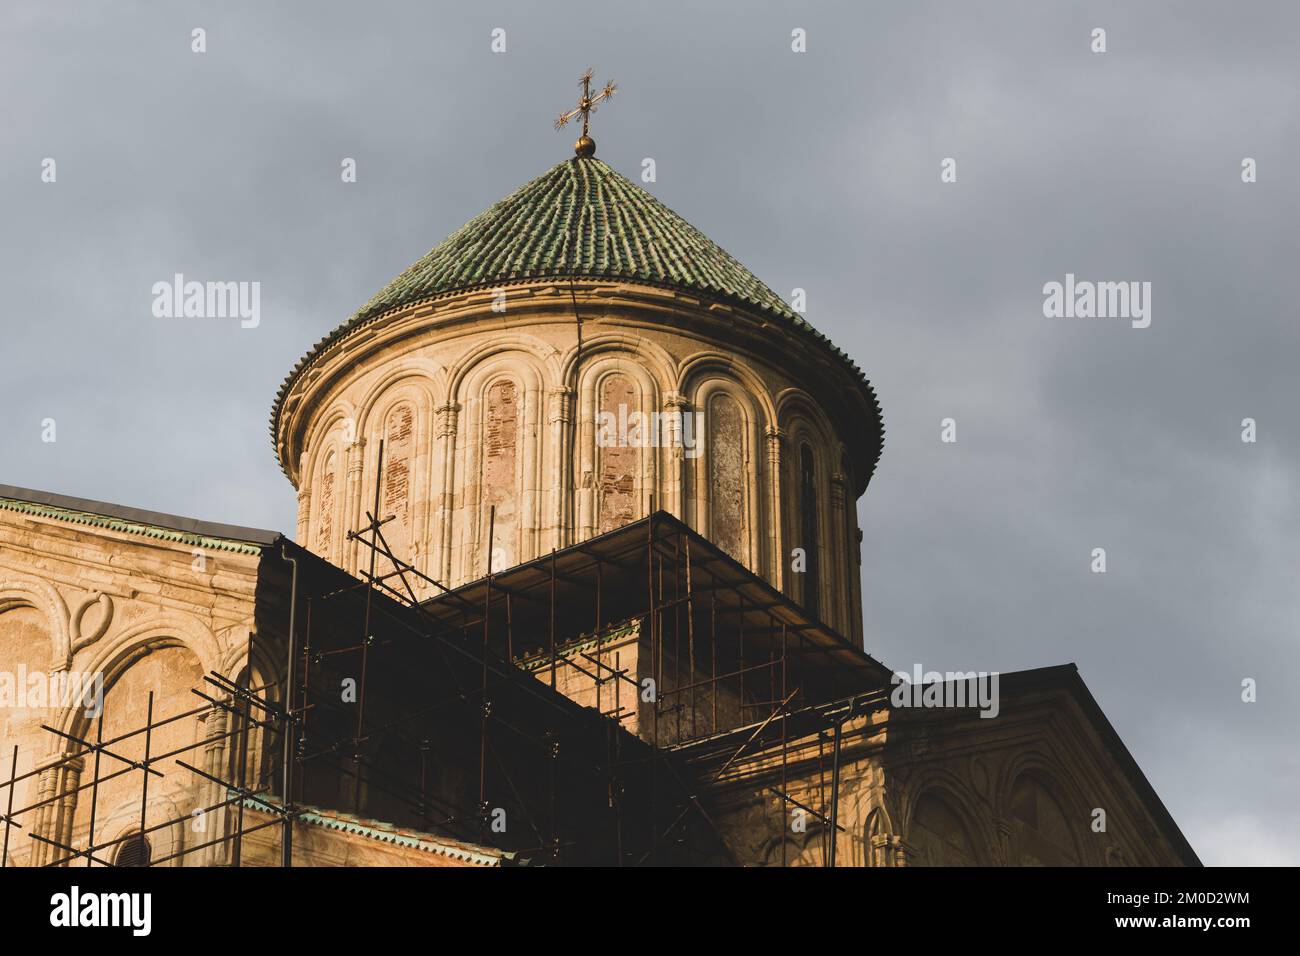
(150, 611)
(146, 613)
(482, 409)
(1040, 785)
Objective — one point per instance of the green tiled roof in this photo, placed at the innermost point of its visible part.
(378, 830)
(580, 219)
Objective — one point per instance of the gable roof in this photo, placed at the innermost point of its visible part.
(1062, 678)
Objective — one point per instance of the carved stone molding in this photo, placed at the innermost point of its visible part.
(83, 638)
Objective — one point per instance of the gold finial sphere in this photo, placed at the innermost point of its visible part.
(585, 146)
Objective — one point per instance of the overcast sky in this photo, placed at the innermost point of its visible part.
(818, 170)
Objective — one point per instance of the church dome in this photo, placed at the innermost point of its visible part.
(621, 230)
(488, 367)
(580, 218)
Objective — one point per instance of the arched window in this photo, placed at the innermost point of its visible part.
(500, 475)
(399, 441)
(1040, 832)
(620, 458)
(808, 524)
(938, 837)
(133, 851)
(726, 459)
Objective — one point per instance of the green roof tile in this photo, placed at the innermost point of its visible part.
(580, 218)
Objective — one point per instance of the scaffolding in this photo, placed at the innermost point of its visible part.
(448, 710)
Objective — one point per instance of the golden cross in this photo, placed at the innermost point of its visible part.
(585, 146)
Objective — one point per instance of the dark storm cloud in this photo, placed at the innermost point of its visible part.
(819, 171)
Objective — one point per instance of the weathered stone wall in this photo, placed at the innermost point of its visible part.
(146, 615)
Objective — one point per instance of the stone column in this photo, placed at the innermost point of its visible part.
(1001, 849)
(558, 523)
(41, 824)
(775, 439)
(530, 518)
(214, 762)
(69, 777)
(855, 580)
(304, 513)
(446, 438)
(420, 492)
(351, 516)
(674, 484)
(837, 547)
(57, 793)
(650, 479)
